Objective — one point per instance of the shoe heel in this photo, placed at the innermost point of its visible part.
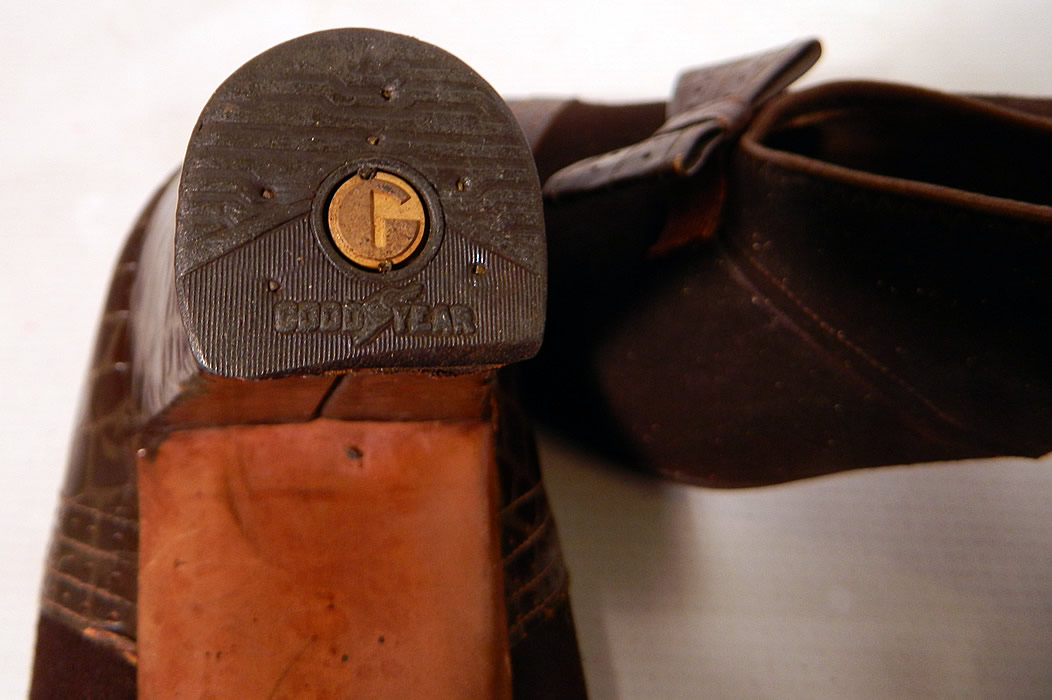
(294, 475)
(356, 199)
(354, 207)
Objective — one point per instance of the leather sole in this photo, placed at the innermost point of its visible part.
(326, 559)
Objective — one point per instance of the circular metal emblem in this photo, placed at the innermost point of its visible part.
(377, 222)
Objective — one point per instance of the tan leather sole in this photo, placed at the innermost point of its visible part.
(327, 559)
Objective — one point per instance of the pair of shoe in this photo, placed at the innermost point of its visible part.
(299, 470)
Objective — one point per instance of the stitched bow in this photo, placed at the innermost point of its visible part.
(709, 107)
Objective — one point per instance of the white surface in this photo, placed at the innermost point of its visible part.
(912, 582)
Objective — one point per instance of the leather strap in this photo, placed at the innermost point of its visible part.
(709, 106)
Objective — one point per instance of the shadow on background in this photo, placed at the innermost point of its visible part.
(622, 535)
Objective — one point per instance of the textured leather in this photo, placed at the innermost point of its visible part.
(90, 577)
(710, 105)
(90, 581)
(71, 665)
(535, 577)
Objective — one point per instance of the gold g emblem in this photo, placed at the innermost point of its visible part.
(377, 222)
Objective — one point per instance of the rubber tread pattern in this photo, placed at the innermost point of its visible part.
(269, 138)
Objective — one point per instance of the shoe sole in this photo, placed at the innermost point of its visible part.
(347, 544)
(271, 149)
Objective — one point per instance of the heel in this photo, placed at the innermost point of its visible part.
(359, 236)
(294, 472)
(358, 199)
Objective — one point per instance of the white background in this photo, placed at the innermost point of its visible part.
(917, 582)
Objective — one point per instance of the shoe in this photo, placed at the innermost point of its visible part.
(750, 286)
(298, 470)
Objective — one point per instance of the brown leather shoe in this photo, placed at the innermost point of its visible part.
(298, 471)
(747, 290)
